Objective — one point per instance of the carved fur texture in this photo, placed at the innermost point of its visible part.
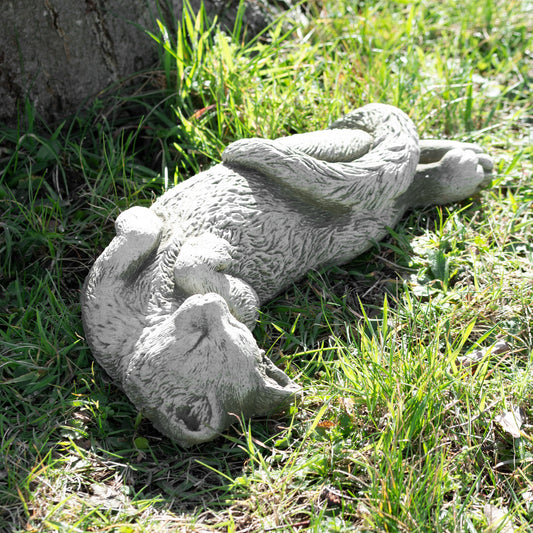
(169, 306)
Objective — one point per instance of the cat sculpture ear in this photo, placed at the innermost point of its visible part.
(197, 370)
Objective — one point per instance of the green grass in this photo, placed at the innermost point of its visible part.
(398, 427)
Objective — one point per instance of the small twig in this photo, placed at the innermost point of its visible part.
(302, 523)
(396, 265)
(513, 462)
(475, 417)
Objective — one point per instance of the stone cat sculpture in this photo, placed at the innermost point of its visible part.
(169, 306)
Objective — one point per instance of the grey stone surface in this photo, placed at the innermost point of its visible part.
(169, 306)
(61, 52)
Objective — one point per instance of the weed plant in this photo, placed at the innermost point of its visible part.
(416, 359)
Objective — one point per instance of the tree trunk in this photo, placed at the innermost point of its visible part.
(58, 53)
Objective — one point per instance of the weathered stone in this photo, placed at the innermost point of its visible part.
(169, 306)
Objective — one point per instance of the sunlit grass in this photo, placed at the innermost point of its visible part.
(397, 352)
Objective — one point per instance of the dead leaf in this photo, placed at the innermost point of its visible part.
(498, 520)
(471, 360)
(474, 358)
(326, 424)
(201, 112)
(510, 422)
(501, 347)
(333, 497)
(348, 405)
(107, 497)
